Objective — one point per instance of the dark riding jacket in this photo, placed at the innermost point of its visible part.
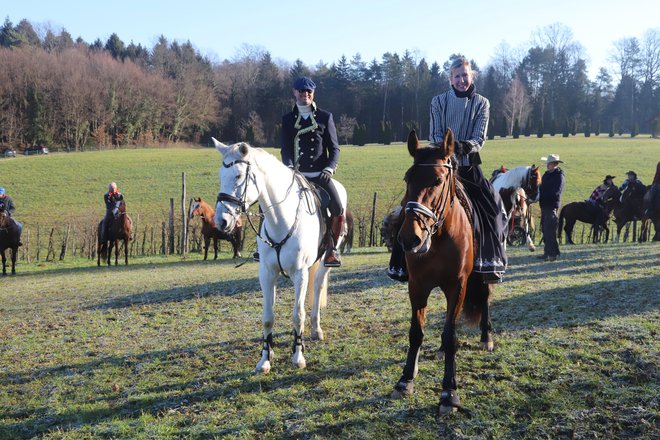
(8, 204)
(552, 185)
(111, 199)
(318, 149)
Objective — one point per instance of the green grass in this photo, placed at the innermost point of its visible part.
(68, 187)
(166, 348)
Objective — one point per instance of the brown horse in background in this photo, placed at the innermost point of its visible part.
(347, 243)
(209, 231)
(10, 238)
(437, 237)
(120, 230)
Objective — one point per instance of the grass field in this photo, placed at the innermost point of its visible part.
(166, 348)
(68, 187)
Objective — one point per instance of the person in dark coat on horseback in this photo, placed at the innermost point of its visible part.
(309, 145)
(7, 204)
(110, 198)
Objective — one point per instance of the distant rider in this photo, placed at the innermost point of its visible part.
(110, 198)
(7, 204)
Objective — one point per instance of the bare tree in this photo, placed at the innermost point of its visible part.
(345, 128)
(516, 104)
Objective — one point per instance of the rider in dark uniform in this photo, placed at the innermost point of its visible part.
(110, 198)
(7, 204)
(309, 144)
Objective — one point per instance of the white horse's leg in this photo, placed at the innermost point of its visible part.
(300, 280)
(267, 280)
(320, 300)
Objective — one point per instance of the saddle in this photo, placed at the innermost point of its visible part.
(320, 200)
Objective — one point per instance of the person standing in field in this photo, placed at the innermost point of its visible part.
(466, 113)
(552, 186)
(310, 146)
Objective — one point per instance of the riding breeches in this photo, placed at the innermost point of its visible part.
(335, 204)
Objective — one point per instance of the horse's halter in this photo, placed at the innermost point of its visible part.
(439, 213)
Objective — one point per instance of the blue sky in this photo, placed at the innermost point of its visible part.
(324, 31)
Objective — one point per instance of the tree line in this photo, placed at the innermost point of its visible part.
(75, 95)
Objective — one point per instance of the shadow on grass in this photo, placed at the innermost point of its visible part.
(170, 398)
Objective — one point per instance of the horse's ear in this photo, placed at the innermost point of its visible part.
(219, 146)
(197, 199)
(449, 142)
(413, 143)
(243, 149)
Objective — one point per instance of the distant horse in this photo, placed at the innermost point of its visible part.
(10, 238)
(291, 239)
(651, 214)
(509, 182)
(346, 245)
(120, 230)
(630, 207)
(588, 213)
(437, 237)
(521, 223)
(204, 210)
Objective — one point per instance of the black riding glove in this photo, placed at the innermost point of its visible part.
(462, 147)
(325, 176)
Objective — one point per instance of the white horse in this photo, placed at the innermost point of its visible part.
(291, 235)
(508, 184)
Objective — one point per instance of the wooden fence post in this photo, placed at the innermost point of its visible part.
(171, 228)
(373, 217)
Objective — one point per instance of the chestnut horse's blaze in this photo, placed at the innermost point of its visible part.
(436, 235)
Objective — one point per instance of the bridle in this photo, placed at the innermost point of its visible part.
(439, 213)
(242, 207)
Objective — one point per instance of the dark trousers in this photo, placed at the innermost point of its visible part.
(335, 204)
(550, 221)
(490, 225)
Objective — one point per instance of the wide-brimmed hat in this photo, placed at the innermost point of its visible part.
(552, 158)
(608, 177)
(632, 172)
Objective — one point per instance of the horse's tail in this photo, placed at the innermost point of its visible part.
(477, 295)
(323, 295)
(561, 224)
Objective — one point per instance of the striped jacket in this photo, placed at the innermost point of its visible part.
(467, 118)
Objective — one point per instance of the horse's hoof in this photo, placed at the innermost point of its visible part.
(317, 335)
(402, 389)
(487, 346)
(263, 368)
(301, 363)
(449, 402)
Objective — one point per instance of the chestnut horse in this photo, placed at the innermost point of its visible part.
(235, 237)
(10, 238)
(120, 230)
(347, 243)
(437, 236)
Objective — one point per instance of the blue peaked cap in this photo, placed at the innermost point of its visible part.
(304, 83)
